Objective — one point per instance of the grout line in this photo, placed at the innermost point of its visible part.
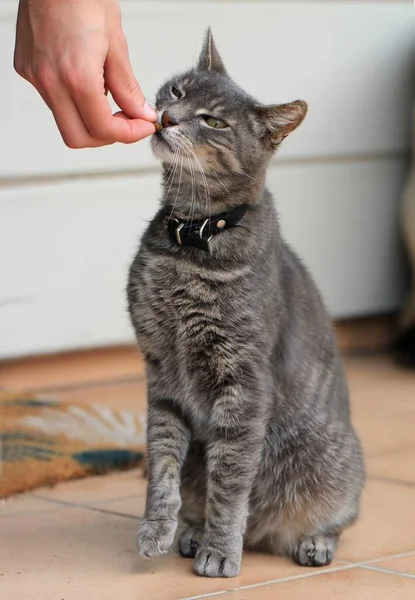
(363, 563)
(86, 506)
(116, 499)
(210, 595)
(385, 452)
(389, 557)
(391, 480)
(27, 513)
(272, 581)
(386, 570)
(58, 503)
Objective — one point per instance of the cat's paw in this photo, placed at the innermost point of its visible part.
(315, 551)
(190, 541)
(210, 562)
(155, 537)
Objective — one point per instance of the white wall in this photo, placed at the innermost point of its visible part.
(65, 243)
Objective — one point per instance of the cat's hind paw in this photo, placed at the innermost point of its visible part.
(315, 551)
(190, 541)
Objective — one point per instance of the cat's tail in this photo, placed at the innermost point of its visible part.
(405, 347)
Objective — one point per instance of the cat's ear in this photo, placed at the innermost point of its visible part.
(209, 59)
(280, 120)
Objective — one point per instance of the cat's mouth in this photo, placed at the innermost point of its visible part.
(163, 137)
(165, 145)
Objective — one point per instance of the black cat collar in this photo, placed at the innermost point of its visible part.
(199, 233)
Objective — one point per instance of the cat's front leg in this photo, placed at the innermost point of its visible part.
(232, 459)
(168, 438)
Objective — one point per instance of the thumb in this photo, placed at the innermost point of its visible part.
(124, 87)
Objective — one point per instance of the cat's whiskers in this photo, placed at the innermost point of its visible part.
(196, 159)
(247, 175)
(223, 185)
(170, 167)
(169, 181)
(193, 187)
(171, 177)
(187, 147)
(205, 182)
(178, 187)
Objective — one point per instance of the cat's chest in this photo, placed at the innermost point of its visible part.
(177, 307)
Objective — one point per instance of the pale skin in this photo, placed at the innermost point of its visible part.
(73, 52)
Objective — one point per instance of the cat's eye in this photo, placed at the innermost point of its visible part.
(214, 122)
(176, 93)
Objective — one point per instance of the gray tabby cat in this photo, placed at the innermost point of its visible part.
(249, 433)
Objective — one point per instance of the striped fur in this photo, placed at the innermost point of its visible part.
(249, 433)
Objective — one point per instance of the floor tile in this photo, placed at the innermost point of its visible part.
(384, 526)
(383, 407)
(405, 564)
(381, 433)
(373, 370)
(352, 584)
(364, 370)
(71, 369)
(132, 506)
(395, 466)
(50, 550)
(24, 504)
(96, 489)
(77, 554)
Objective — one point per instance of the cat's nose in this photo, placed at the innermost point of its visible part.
(167, 120)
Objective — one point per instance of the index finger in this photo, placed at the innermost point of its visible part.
(95, 110)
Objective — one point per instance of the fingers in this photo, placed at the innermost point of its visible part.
(83, 114)
(70, 124)
(95, 111)
(123, 85)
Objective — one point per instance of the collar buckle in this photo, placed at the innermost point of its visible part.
(205, 222)
(177, 232)
(199, 232)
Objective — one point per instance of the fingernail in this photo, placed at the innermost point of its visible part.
(149, 112)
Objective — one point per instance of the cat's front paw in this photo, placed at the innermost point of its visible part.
(212, 562)
(155, 537)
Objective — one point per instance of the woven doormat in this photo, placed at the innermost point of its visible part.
(43, 442)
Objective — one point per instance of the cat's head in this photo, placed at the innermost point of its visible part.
(210, 123)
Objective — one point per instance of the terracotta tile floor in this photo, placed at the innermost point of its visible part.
(77, 541)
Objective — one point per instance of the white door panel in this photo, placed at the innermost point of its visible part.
(68, 247)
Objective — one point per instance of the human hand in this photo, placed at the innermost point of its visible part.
(73, 52)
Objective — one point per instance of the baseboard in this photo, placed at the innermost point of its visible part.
(121, 363)
(368, 334)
